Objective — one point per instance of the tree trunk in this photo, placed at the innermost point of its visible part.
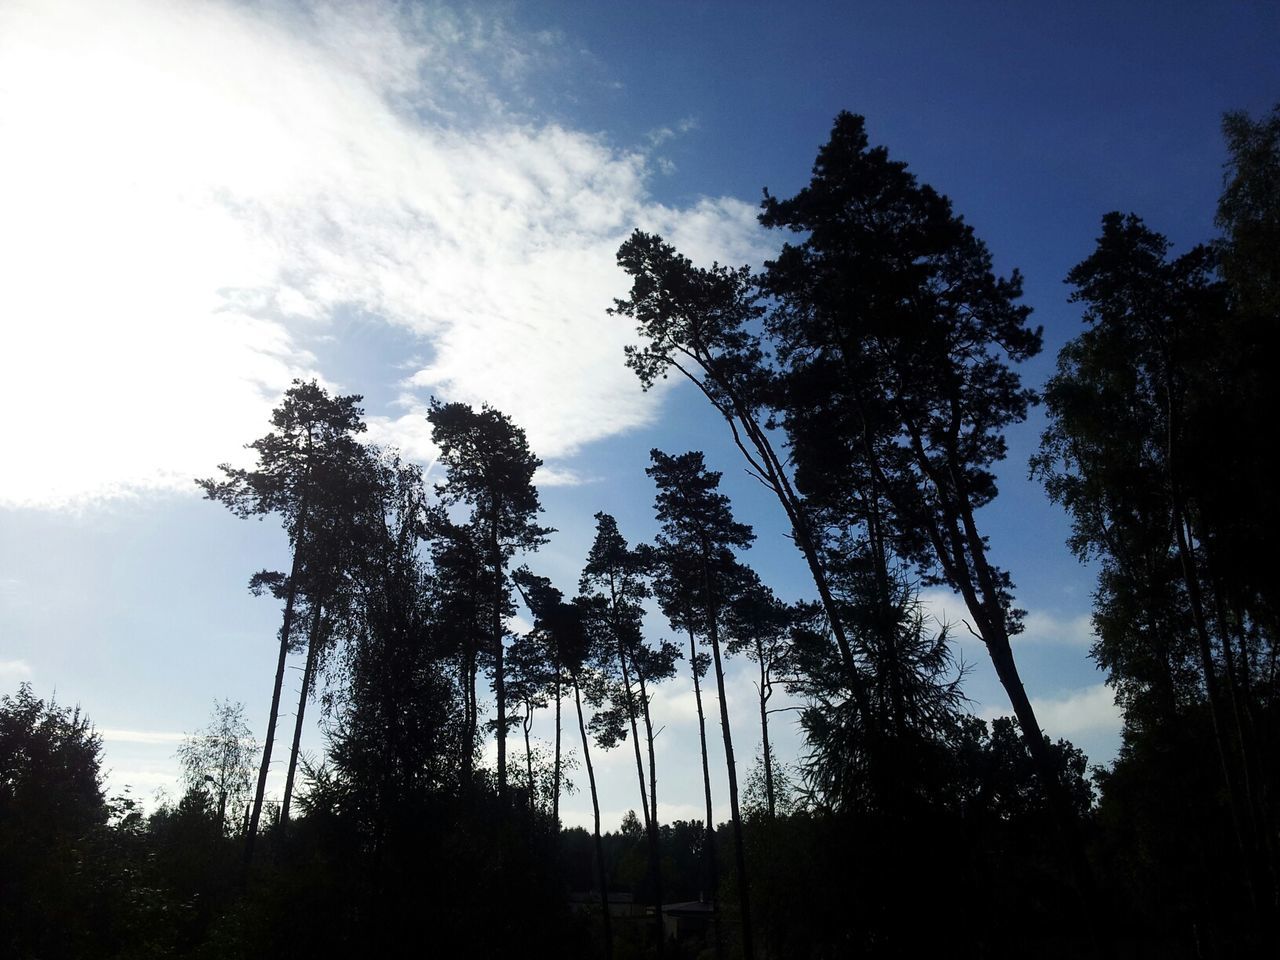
(709, 852)
(1246, 840)
(655, 837)
(555, 776)
(765, 692)
(251, 834)
(528, 760)
(635, 733)
(595, 809)
(499, 680)
(626, 686)
(307, 673)
(739, 854)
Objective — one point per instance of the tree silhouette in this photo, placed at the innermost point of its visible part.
(697, 523)
(677, 584)
(1137, 412)
(894, 288)
(531, 683)
(463, 622)
(51, 808)
(612, 584)
(564, 623)
(491, 469)
(394, 721)
(703, 324)
(758, 625)
(302, 471)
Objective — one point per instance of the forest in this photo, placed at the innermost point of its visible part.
(867, 375)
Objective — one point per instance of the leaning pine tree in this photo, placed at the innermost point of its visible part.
(890, 299)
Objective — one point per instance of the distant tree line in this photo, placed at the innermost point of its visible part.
(867, 375)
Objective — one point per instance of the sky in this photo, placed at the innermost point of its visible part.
(201, 201)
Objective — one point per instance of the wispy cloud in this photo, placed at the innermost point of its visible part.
(194, 191)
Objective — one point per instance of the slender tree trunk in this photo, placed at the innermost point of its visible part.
(499, 679)
(654, 834)
(630, 701)
(709, 851)
(251, 834)
(595, 809)
(1246, 839)
(765, 692)
(739, 854)
(469, 713)
(649, 738)
(308, 672)
(555, 777)
(528, 759)
(635, 733)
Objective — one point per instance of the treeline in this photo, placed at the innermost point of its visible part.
(867, 376)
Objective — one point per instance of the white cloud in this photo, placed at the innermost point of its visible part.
(143, 784)
(1039, 626)
(519, 624)
(141, 736)
(550, 475)
(1090, 710)
(193, 191)
(12, 670)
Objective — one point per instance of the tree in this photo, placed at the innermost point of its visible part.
(758, 625)
(51, 809)
(703, 323)
(531, 682)
(611, 587)
(894, 294)
(303, 470)
(677, 586)
(220, 757)
(462, 619)
(1138, 412)
(565, 624)
(549, 665)
(491, 468)
(697, 523)
(1249, 213)
(394, 713)
(612, 584)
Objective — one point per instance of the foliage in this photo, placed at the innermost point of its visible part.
(220, 757)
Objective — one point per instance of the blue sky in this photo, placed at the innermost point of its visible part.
(205, 200)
